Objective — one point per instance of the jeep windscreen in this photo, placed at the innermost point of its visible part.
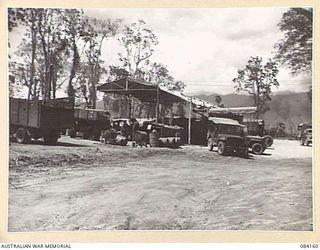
(231, 130)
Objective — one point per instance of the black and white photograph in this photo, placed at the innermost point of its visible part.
(160, 119)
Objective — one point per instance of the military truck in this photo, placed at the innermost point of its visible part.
(227, 135)
(90, 123)
(34, 119)
(305, 133)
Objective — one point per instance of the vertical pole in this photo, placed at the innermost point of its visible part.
(127, 87)
(157, 105)
(128, 98)
(18, 111)
(28, 104)
(130, 106)
(171, 116)
(190, 117)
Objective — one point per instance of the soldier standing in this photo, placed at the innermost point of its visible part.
(212, 133)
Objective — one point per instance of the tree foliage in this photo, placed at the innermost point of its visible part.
(218, 100)
(53, 36)
(44, 50)
(139, 43)
(94, 33)
(62, 51)
(74, 22)
(159, 74)
(295, 49)
(257, 79)
(16, 16)
(58, 46)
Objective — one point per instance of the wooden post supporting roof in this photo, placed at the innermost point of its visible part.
(157, 104)
(189, 125)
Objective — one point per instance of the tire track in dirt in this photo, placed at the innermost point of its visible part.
(155, 189)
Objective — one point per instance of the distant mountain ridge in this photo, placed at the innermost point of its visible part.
(289, 108)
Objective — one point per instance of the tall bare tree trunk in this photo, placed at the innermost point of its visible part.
(47, 84)
(75, 64)
(53, 80)
(33, 56)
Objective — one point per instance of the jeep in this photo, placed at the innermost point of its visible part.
(257, 144)
(227, 135)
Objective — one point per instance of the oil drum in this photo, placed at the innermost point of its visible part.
(154, 138)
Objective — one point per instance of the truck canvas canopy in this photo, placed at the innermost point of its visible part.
(226, 121)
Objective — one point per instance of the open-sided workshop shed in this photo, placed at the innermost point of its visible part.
(145, 92)
(148, 92)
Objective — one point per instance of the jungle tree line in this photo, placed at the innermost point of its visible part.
(61, 50)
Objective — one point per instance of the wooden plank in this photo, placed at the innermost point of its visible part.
(50, 115)
(14, 114)
(34, 114)
(22, 109)
(19, 112)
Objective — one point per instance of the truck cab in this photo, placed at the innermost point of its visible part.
(306, 137)
(90, 123)
(305, 133)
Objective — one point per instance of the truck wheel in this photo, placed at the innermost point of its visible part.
(50, 139)
(96, 137)
(72, 133)
(221, 148)
(257, 148)
(268, 140)
(22, 136)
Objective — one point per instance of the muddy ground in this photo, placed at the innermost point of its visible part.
(85, 185)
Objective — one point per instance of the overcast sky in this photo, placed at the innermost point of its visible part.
(205, 47)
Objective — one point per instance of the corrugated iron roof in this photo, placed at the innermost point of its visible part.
(144, 91)
(147, 92)
(238, 110)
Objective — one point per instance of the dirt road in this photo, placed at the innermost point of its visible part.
(84, 185)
